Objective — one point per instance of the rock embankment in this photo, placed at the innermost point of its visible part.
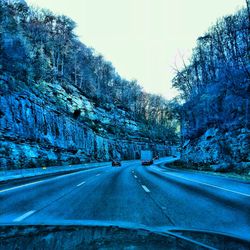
(52, 126)
(219, 151)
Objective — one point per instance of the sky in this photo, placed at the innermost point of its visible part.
(144, 39)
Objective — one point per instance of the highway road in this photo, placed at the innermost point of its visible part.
(148, 195)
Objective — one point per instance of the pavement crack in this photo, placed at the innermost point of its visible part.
(162, 208)
(59, 198)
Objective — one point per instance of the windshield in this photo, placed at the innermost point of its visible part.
(95, 154)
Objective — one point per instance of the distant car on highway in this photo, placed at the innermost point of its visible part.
(116, 163)
(147, 163)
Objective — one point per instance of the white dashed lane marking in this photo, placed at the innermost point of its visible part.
(24, 216)
(36, 182)
(80, 184)
(145, 189)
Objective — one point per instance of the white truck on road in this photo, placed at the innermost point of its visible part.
(147, 157)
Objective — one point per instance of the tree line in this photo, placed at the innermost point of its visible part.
(37, 45)
(214, 83)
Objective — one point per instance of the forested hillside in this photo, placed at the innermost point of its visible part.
(38, 46)
(214, 87)
(54, 88)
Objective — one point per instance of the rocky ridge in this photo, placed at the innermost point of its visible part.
(50, 125)
(218, 151)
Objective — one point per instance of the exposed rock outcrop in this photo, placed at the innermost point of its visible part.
(219, 151)
(50, 126)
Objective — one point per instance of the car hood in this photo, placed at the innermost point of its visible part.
(112, 235)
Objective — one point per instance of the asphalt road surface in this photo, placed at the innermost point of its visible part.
(149, 195)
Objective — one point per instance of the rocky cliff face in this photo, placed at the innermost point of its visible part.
(219, 151)
(215, 129)
(50, 126)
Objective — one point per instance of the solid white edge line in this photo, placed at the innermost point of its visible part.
(210, 185)
(80, 184)
(24, 216)
(145, 189)
(24, 185)
(32, 183)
